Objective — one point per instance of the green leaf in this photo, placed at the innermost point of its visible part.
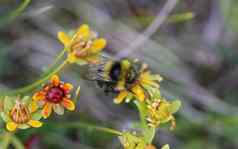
(36, 115)
(4, 116)
(17, 143)
(25, 99)
(149, 134)
(8, 104)
(175, 105)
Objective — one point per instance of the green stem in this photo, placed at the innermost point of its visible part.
(148, 132)
(6, 140)
(91, 126)
(56, 61)
(142, 112)
(17, 143)
(11, 16)
(35, 84)
(59, 56)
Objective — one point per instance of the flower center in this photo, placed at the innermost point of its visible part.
(20, 113)
(55, 95)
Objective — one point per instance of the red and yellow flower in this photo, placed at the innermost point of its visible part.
(55, 96)
(84, 46)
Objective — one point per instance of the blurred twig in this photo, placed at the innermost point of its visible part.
(159, 20)
(36, 83)
(8, 18)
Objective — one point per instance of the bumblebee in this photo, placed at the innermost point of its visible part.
(115, 75)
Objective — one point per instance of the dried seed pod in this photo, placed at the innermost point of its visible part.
(20, 113)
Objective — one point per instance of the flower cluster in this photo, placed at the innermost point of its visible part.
(146, 89)
(132, 141)
(84, 47)
(161, 111)
(26, 112)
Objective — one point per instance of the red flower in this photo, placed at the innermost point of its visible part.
(55, 95)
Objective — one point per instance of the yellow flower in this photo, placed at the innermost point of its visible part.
(21, 116)
(139, 89)
(54, 95)
(131, 141)
(161, 111)
(84, 46)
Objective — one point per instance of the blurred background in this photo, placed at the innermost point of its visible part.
(197, 57)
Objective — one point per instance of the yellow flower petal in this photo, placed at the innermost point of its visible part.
(33, 106)
(72, 58)
(68, 104)
(147, 78)
(98, 45)
(35, 123)
(68, 86)
(139, 92)
(47, 110)
(83, 31)
(55, 80)
(93, 59)
(58, 109)
(64, 38)
(122, 95)
(11, 126)
(38, 96)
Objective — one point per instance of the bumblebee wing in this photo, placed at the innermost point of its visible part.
(96, 72)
